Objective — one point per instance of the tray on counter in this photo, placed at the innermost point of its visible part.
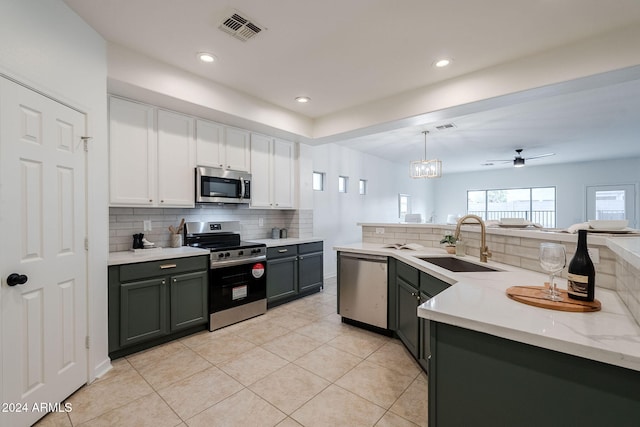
(534, 295)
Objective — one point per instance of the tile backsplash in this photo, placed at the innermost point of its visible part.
(255, 223)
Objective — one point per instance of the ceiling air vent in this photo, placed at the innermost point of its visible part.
(445, 126)
(240, 27)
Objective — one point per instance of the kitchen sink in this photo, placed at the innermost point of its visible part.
(456, 264)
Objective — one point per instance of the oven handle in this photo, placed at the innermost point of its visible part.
(221, 264)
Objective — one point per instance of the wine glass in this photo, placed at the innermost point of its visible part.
(552, 259)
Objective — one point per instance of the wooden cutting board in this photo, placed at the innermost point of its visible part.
(534, 295)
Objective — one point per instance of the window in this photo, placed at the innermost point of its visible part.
(343, 182)
(404, 205)
(318, 181)
(612, 202)
(363, 186)
(537, 205)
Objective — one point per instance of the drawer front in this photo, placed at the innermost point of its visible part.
(431, 285)
(408, 273)
(282, 251)
(171, 266)
(307, 248)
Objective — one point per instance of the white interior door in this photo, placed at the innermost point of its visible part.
(612, 202)
(43, 223)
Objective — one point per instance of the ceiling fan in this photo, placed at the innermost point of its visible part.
(518, 160)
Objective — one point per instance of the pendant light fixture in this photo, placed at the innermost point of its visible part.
(425, 168)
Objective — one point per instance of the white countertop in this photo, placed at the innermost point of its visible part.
(272, 243)
(478, 301)
(129, 257)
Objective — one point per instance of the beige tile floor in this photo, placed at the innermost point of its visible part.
(297, 365)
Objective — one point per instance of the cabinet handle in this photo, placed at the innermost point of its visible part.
(283, 250)
(175, 280)
(165, 266)
(301, 257)
(150, 200)
(161, 201)
(163, 282)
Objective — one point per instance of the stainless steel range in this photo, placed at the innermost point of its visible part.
(237, 273)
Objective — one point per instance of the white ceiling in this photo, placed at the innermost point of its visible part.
(346, 53)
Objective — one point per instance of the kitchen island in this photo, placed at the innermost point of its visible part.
(495, 361)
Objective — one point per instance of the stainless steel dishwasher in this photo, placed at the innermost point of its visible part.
(362, 290)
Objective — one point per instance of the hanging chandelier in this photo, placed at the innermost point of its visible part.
(425, 168)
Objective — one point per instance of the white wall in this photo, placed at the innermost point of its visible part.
(335, 215)
(45, 45)
(570, 181)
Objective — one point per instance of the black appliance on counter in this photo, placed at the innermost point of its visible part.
(237, 271)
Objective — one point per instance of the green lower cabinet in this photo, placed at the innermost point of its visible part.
(479, 380)
(411, 288)
(155, 302)
(310, 271)
(189, 305)
(407, 299)
(293, 271)
(281, 278)
(143, 310)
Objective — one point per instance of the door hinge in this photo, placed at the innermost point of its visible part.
(86, 244)
(87, 342)
(85, 140)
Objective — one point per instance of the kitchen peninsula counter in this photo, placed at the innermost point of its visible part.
(477, 301)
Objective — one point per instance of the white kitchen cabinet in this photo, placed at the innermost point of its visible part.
(176, 160)
(221, 146)
(151, 156)
(132, 154)
(272, 173)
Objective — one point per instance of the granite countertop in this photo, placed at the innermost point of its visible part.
(478, 302)
(129, 257)
(272, 243)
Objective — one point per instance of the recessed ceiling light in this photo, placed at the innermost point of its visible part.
(442, 63)
(206, 57)
(303, 99)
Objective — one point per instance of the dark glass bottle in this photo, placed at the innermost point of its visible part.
(581, 279)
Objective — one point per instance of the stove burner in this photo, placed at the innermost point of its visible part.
(223, 241)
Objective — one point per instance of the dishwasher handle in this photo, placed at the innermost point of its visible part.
(364, 257)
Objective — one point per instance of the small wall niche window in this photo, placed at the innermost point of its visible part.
(362, 188)
(537, 205)
(318, 181)
(404, 205)
(343, 182)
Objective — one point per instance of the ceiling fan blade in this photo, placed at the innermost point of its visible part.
(500, 160)
(541, 155)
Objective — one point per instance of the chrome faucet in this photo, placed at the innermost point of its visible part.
(484, 249)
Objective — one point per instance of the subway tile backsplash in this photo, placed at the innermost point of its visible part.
(124, 222)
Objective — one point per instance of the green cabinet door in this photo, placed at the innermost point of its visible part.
(143, 310)
(282, 278)
(408, 299)
(189, 305)
(309, 271)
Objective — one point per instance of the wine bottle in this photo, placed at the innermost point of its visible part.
(581, 275)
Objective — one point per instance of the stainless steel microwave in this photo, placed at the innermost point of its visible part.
(214, 185)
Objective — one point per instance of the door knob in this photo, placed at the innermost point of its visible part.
(16, 279)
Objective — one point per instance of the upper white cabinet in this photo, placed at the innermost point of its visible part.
(176, 160)
(151, 156)
(132, 154)
(272, 173)
(221, 146)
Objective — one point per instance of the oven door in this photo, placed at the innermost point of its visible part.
(237, 285)
(222, 186)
